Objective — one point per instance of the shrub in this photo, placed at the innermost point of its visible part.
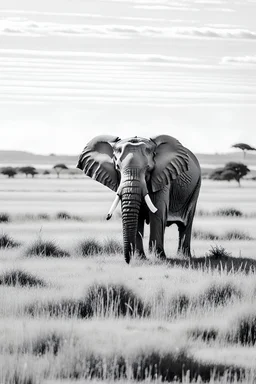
(45, 249)
(7, 241)
(22, 278)
(4, 218)
(89, 247)
(218, 252)
(228, 212)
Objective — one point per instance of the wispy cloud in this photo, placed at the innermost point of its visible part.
(19, 53)
(239, 59)
(35, 28)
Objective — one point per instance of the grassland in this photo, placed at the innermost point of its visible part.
(71, 309)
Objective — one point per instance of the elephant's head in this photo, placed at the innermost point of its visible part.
(131, 168)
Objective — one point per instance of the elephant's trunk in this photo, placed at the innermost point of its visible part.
(131, 195)
(131, 190)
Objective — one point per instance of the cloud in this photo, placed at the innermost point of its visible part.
(16, 56)
(119, 31)
(239, 59)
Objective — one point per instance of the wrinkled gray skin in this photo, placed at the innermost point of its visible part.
(159, 166)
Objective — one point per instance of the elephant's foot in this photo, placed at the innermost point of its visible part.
(184, 253)
(140, 254)
(161, 255)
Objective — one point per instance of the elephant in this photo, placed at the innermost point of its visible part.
(157, 181)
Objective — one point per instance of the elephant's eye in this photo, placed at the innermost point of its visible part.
(148, 151)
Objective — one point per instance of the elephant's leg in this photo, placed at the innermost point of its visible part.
(158, 222)
(185, 239)
(139, 239)
(185, 232)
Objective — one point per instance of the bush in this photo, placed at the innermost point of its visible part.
(228, 212)
(21, 278)
(8, 242)
(63, 216)
(4, 218)
(45, 249)
(218, 252)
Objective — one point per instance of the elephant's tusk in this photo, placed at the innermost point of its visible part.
(113, 207)
(150, 204)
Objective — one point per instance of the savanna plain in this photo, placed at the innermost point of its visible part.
(71, 309)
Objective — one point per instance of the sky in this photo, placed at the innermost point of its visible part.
(71, 70)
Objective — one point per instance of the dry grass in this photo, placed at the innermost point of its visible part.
(7, 241)
(90, 317)
(45, 249)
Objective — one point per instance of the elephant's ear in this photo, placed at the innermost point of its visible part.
(171, 160)
(96, 161)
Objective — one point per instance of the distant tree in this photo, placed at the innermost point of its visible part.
(9, 171)
(28, 171)
(216, 174)
(244, 147)
(59, 168)
(46, 172)
(231, 171)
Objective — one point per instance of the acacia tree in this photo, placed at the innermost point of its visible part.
(59, 168)
(231, 171)
(28, 171)
(244, 147)
(9, 171)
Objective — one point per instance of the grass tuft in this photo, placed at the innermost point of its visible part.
(45, 249)
(206, 335)
(51, 343)
(204, 235)
(244, 331)
(111, 246)
(8, 242)
(4, 217)
(115, 299)
(21, 278)
(89, 247)
(43, 216)
(236, 235)
(217, 294)
(228, 212)
(100, 300)
(179, 304)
